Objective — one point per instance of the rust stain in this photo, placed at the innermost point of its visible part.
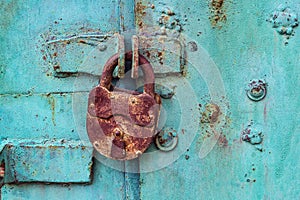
(51, 101)
(82, 42)
(211, 114)
(140, 8)
(222, 141)
(118, 131)
(160, 55)
(265, 112)
(217, 13)
(140, 13)
(182, 131)
(56, 67)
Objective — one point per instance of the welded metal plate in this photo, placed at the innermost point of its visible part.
(45, 161)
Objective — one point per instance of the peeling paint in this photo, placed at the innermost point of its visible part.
(284, 20)
(217, 11)
(140, 12)
(211, 114)
(253, 136)
(169, 19)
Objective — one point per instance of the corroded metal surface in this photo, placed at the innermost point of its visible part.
(26, 161)
(135, 57)
(121, 124)
(236, 36)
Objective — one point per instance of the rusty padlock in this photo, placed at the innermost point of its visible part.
(121, 123)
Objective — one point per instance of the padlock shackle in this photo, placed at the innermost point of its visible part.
(147, 69)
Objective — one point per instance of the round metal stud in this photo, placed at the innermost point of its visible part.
(256, 90)
(166, 139)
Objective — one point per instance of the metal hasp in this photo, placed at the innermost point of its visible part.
(121, 123)
(45, 161)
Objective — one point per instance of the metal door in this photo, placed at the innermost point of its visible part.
(227, 72)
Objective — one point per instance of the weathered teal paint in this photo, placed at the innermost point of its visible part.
(237, 36)
(44, 161)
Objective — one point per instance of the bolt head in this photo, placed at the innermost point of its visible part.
(166, 140)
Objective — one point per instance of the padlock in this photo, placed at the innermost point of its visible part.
(120, 123)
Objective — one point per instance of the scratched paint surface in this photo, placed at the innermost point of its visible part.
(244, 46)
(239, 39)
(36, 105)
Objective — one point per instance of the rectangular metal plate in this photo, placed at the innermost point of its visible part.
(45, 161)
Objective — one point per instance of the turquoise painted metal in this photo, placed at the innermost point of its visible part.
(236, 139)
(27, 161)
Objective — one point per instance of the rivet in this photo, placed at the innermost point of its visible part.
(164, 92)
(96, 144)
(256, 90)
(192, 46)
(118, 133)
(166, 139)
(102, 47)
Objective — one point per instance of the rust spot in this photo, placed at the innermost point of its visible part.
(217, 13)
(211, 114)
(140, 13)
(140, 8)
(265, 112)
(160, 55)
(53, 147)
(148, 54)
(183, 131)
(140, 24)
(56, 67)
(54, 54)
(51, 101)
(82, 42)
(65, 74)
(222, 141)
